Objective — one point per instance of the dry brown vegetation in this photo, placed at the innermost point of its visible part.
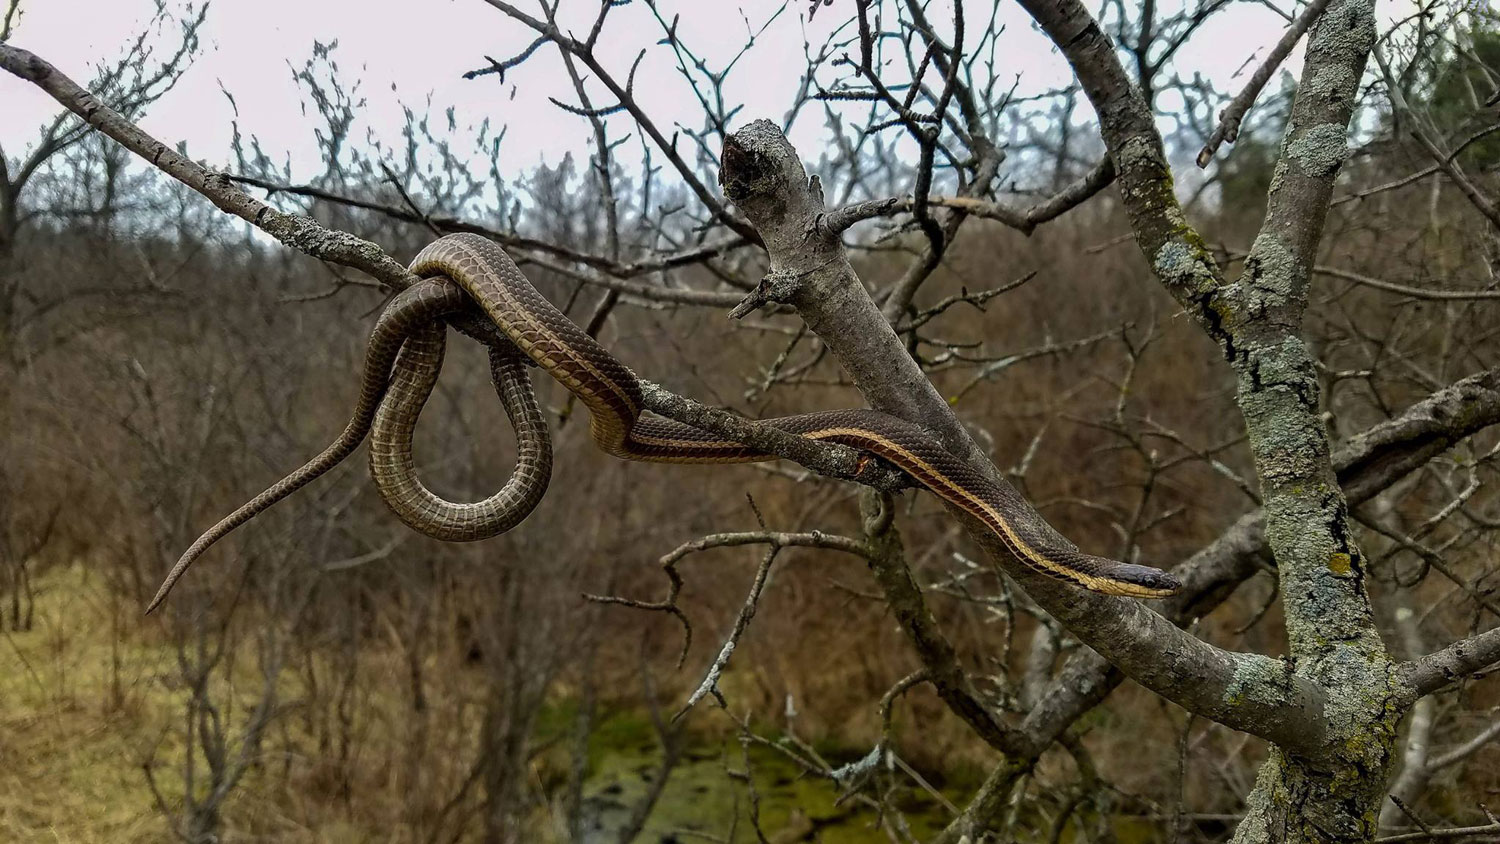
(326, 674)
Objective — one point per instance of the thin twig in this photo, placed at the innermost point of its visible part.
(1230, 119)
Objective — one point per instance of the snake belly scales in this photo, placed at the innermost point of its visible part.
(404, 356)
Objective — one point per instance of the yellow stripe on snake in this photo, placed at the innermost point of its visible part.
(405, 353)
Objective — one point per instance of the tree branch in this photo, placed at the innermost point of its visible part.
(1439, 670)
(1229, 121)
(299, 232)
(1024, 220)
(584, 53)
(763, 176)
(510, 240)
(1176, 251)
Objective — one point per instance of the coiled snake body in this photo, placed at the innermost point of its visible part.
(405, 353)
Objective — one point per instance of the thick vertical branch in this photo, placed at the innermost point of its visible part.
(1321, 569)
(1174, 248)
(888, 564)
(1257, 322)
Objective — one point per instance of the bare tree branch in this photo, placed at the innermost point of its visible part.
(300, 233)
(614, 267)
(1229, 120)
(584, 53)
(1443, 668)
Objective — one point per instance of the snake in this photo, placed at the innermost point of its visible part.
(464, 270)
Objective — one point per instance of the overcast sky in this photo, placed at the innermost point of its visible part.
(404, 52)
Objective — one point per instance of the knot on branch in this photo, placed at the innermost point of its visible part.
(762, 175)
(775, 287)
(757, 162)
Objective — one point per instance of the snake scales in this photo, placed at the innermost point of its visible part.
(405, 353)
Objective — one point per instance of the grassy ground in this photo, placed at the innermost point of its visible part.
(83, 707)
(707, 794)
(77, 707)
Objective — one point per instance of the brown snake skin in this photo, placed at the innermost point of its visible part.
(464, 268)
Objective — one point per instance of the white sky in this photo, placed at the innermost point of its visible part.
(250, 48)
